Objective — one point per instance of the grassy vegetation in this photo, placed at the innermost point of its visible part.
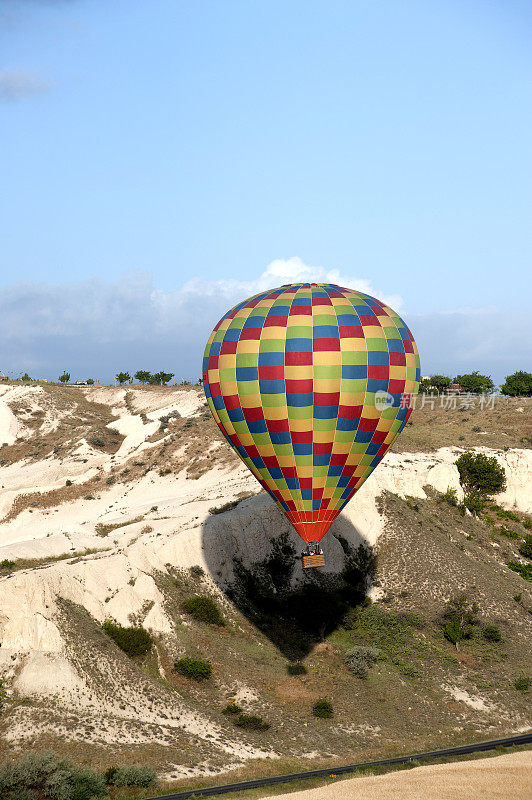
(104, 529)
(204, 609)
(134, 641)
(252, 722)
(194, 668)
(323, 709)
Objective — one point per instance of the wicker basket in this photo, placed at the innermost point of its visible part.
(313, 561)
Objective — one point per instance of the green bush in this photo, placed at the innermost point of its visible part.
(524, 570)
(491, 633)
(522, 683)
(252, 722)
(503, 513)
(2, 694)
(525, 548)
(204, 609)
(47, 776)
(193, 668)
(134, 641)
(360, 659)
(481, 473)
(197, 571)
(296, 668)
(323, 709)
(68, 482)
(459, 619)
(96, 441)
(474, 502)
(450, 496)
(133, 775)
(232, 708)
(7, 564)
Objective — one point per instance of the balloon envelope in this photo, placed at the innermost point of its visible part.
(311, 384)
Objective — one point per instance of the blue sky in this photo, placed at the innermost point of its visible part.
(158, 156)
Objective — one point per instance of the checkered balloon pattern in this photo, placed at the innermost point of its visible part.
(310, 384)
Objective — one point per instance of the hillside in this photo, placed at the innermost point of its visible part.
(108, 498)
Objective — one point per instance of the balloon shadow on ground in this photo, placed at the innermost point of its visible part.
(253, 554)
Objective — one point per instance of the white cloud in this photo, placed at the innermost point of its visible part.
(95, 328)
(16, 84)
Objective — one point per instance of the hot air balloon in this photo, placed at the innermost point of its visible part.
(311, 383)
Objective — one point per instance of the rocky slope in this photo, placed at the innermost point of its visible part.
(108, 497)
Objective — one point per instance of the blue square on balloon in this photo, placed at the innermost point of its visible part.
(343, 480)
(354, 371)
(373, 449)
(320, 459)
(276, 473)
(347, 424)
(292, 483)
(377, 385)
(215, 349)
(395, 345)
(348, 319)
(258, 462)
(235, 414)
(271, 359)
(247, 374)
(298, 345)
(257, 426)
(316, 504)
(302, 448)
(306, 494)
(299, 399)
(363, 436)
(232, 335)
(271, 387)
(335, 470)
(375, 461)
(218, 403)
(280, 437)
(325, 412)
(381, 357)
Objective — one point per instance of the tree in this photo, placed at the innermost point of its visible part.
(474, 383)
(160, 378)
(518, 385)
(90, 381)
(123, 377)
(25, 377)
(65, 377)
(142, 375)
(481, 473)
(438, 382)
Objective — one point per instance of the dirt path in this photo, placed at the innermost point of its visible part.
(499, 778)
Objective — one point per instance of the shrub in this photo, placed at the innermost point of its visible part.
(252, 722)
(68, 482)
(133, 775)
(296, 668)
(2, 694)
(226, 507)
(474, 502)
(47, 776)
(134, 641)
(323, 709)
(491, 633)
(524, 570)
(193, 668)
(360, 659)
(204, 609)
(232, 708)
(7, 564)
(96, 441)
(481, 473)
(502, 513)
(522, 683)
(197, 571)
(525, 548)
(458, 619)
(450, 496)
(517, 597)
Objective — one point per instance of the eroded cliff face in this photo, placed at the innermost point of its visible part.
(110, 551)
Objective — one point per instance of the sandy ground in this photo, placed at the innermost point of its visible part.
(499, 778)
